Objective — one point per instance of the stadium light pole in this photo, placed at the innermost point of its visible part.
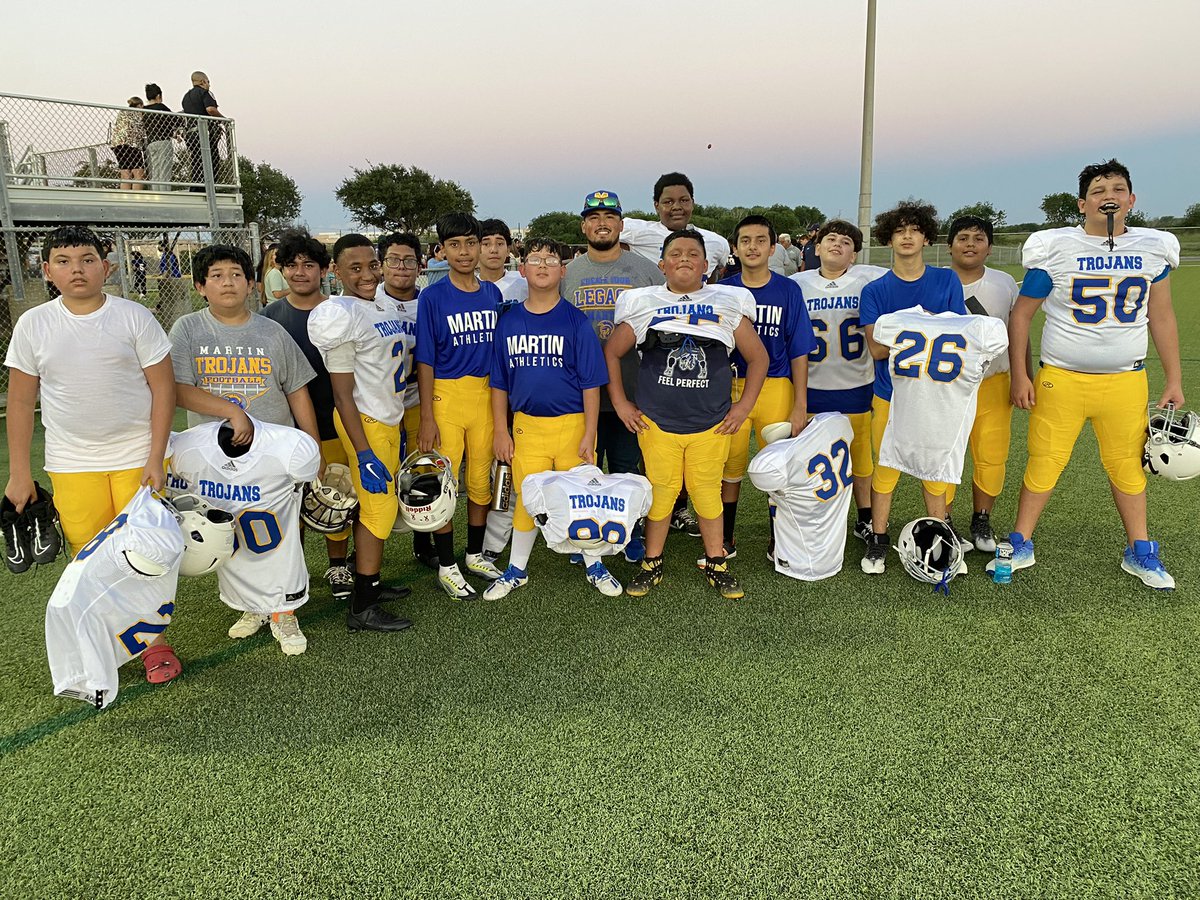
(868, 128)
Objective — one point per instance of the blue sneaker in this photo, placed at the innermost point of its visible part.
(1141, 560)
(1022, 553)
(575, 559)
(602, 580)
(635, 550)
(512, 579)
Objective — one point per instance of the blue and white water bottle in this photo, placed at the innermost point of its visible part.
(1002, 571)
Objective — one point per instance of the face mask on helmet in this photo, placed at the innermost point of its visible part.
(207, 534)
(329, 505)
(1173, 444)
(930, 551)
(425, 491)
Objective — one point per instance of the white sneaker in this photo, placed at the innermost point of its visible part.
(482, 567)
(602, 580)
(512, 579)
(286, 628)
(452, 582)
(247, 625)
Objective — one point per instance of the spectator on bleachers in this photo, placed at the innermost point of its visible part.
(128, 139)
(160, 134)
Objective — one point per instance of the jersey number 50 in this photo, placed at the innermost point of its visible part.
(1091, 297)
(611, 532)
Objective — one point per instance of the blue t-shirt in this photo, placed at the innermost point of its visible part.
(455, 328)
(781, 320)
(936, 291)
(545, 361)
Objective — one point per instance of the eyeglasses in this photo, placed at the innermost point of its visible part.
(407, 262)
(550, 262)
(601, 203)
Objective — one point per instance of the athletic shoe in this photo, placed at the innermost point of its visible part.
(730, 553)
(575, 559)
(963, 543)
(771, 552)
(452, 582)
(512, 579)
(1022, 553)
(635, 551)
(374, 618)
(981, 533)
(718, 575)
(648, 576)
(492, 556)
(875, 561)
(602, 580)
(1141, 560)
(247, 625)
(862, 530)
(683, 520)
(286, 629)
(427, 557)
(18, 538)
(42, 520)
(388, 593)
(341, 582)
(481, 567)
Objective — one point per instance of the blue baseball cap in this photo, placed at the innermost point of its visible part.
(597, 201)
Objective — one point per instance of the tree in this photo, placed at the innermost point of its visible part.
(399, 198)
(1061, 210)
(269, 197)
(559, 226)
(84, 174)
(1191, 216)
(984, 210)
(1136, 219)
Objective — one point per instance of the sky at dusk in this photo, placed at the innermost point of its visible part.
(530, 106)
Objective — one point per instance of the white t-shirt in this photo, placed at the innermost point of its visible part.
(586, 503)
(408, 313)
(383, 335)
(647, 239)
(262, 490)
(1096, 312)
(103, 611)
(514, 288)
(841, 361)
(937, 362)
(808, 480)
(996, 292)
(715, 311)
(95, 398)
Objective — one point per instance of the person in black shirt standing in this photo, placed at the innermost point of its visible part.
(200, 102)
(160, 130)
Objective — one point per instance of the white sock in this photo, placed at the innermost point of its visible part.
(589, 560)
(522, 547)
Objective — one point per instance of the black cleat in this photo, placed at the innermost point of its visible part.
(875, 561)
(18, 538)
(375, 619)
(648, 575)
(390, 592)
(43, 526)
(981, 532)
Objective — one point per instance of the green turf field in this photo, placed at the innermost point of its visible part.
(861, 737)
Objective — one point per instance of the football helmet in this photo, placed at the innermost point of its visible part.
(426, 491)
(1173, 445)
(930, 551)
(208, 534)
(329, 504)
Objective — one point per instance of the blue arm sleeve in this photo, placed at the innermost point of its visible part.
(1037, 284)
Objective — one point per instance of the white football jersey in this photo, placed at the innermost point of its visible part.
(585, 503)
(715, 311)
(841, 361)
(262, 489)
(808, 480)
(646, 239)
(996, 292)
(104, 611)
(937, 363)
(408, 314)
(1096, 311)
(383, 334)
(514, 288)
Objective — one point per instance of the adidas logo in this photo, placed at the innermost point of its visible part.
(595, 482)
(832, 284)
(230, 466)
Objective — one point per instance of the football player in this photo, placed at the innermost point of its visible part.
(366, 343)
(781, 320)
(1102, 285)
(494, 251)
(684, 416)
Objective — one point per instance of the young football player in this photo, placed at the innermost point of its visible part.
(986, 291)
(494, 249)
(365, 342)
(908, 229)
(1102, 285)
(400, 254)
(305, 263)
(547, 367)
(781, 320)
(455, 324)
(841, 373)
(685, 331)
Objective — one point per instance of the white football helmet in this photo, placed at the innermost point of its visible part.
(208, 534)
(425, 490)
(930, 551)
(329, 505)
(1173, 445)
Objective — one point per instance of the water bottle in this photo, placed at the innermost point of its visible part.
(1002, 572)
(502, 487)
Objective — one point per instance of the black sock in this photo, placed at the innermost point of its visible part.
(422, 543)
(337, 560)
(680, 502)
(730, 517)
(475, 535)
(366, 592)
(864, 514)
(771, 526)
(445, 548)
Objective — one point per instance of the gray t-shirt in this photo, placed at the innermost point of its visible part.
(256, 365)
(594, 287)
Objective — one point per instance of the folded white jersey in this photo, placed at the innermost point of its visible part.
(584, 504)
(262, 489)
(808, 481)
(113, 599)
